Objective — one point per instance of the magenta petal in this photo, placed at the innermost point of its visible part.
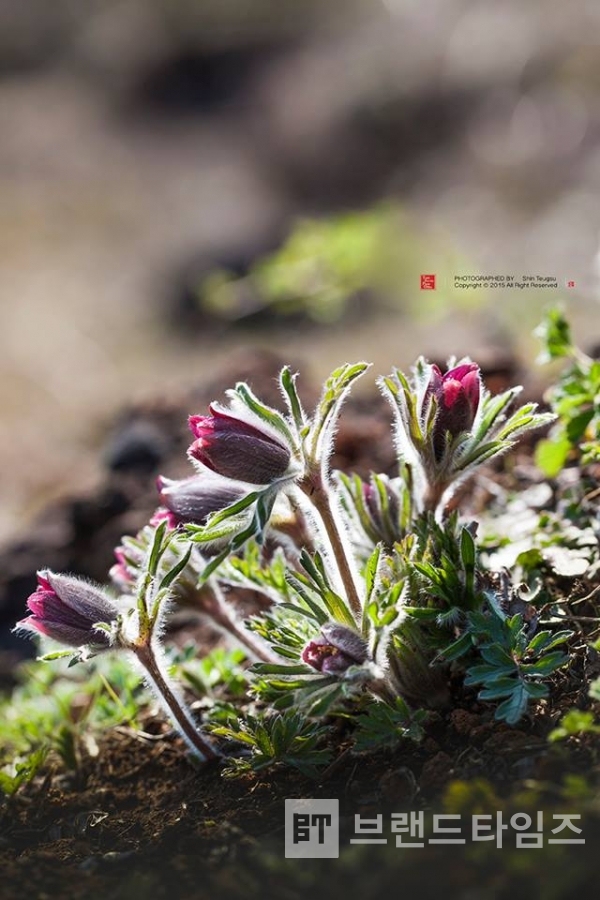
(472, 387)
(452, 390)
(43, 582)
(32, 623)
(201, 426)
(39, 602)
(458, 373)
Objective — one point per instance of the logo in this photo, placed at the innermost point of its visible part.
(428, 282)
(571, 284)
(312, 829)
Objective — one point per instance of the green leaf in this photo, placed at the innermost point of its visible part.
(546, 664)
(577, 426)
(57, 654)
(264, 412)
(468, 556)
(575, 722)
(487, 673)
(497, 656)
(157, 548)
(171, 576)
(288, 386)
(555, 333)
(551, 455)
(502, 687)
(25, 771)
(276, 669)
(514, 706)
(227, 513)
(457, 649)
(304, 593)
(334, 393)
(371, 572)
(546, 640)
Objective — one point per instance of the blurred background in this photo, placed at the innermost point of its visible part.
(182, 180)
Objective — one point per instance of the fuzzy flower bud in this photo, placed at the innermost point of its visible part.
(457, 393)
(67, 609)
(125, 571)
(235, 449)
(335, 650)
(382, 505)
(192, 500)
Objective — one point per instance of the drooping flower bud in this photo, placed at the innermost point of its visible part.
(192, 500)
(67, 609)
(235, 449)
(335, 650)
(457, 393)
(125, 571)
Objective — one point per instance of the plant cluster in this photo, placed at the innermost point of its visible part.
(375, 600)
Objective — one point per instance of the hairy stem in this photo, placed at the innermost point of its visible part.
(179, 715)
(320, 498)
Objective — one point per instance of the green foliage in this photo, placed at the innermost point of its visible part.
(329, 267)
(220, 669)
(287, 738)
(511, 662)
(575, 399)
(574, 723)
(555, 334)
(446, 564)
(21, 771)
(56, 708)
(384, 726)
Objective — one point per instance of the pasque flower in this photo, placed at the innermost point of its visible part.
(236, 449)
(122, 574)
(335, 650)
(192, 500)
(67, 609)
(457, 393)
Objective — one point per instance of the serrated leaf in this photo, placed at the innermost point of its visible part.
(514, 706)
(546, 640)
(546, 664)
(497, 656)
(502, 687)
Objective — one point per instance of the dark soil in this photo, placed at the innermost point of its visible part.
(137, 820)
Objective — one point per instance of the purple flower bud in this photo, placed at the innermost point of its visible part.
(162, 514)
(335, 650)
(383, 514)
(67, 609)
(233, 448)
(193, 499)
(457, 393)
(125, 571)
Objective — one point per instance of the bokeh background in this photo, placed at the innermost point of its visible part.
(182, 180)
